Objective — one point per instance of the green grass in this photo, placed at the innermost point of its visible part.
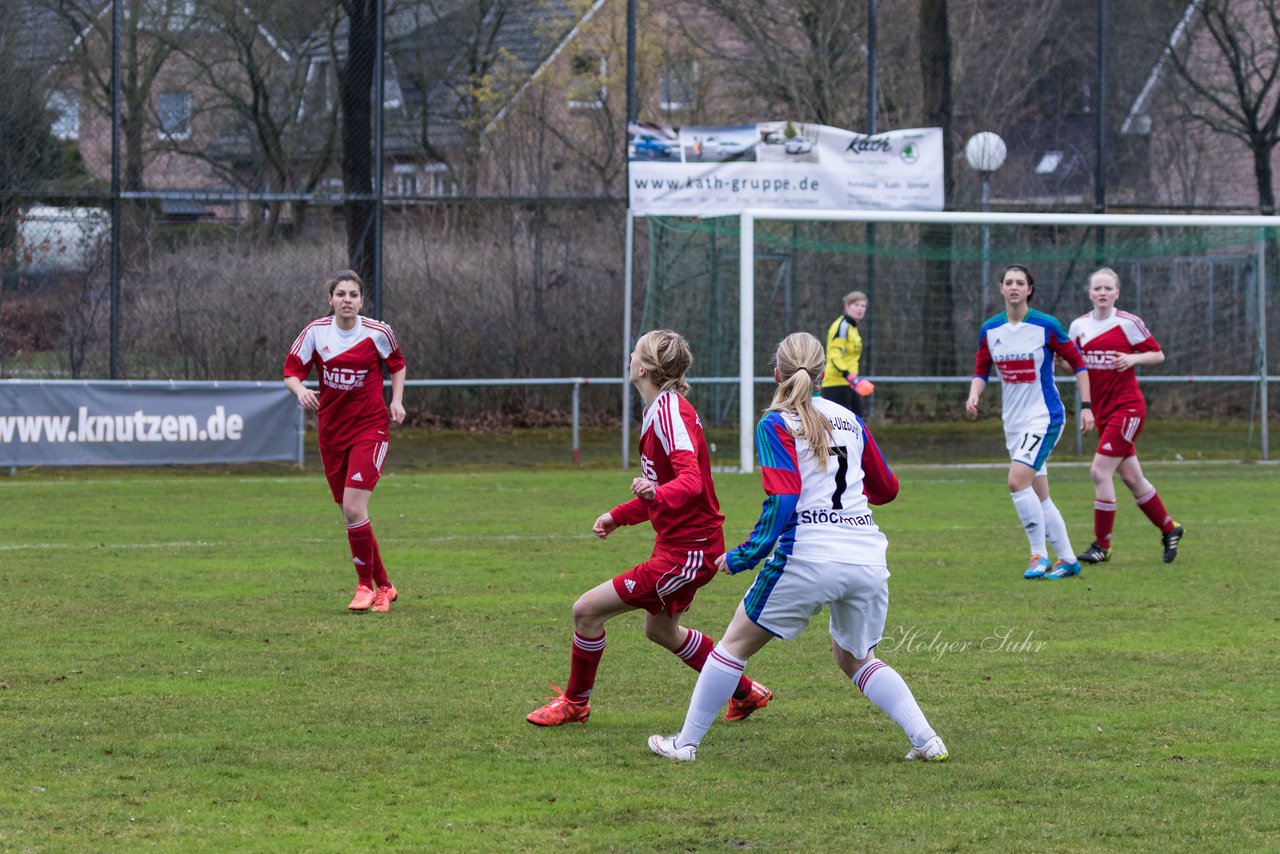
(178, 672)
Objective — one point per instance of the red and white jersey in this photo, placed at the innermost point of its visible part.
(674, 456)
(349, 365)
(1100, 341)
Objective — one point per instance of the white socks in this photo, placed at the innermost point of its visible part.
(1056, 531)
(716, 684)
(883, 686)
(878, 681)
(1031, 515)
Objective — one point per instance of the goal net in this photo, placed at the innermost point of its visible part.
(1206, 287)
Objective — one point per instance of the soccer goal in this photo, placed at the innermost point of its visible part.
(1205, 285)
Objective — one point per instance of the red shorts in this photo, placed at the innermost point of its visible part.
(1117, 434)
(358, 466)
(667, 581)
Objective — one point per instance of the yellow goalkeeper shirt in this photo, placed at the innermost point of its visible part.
(844, 348)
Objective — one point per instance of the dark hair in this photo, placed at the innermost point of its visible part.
(1031, 280)
(344, 276)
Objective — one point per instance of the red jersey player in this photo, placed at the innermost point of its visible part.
(677, 497)
(1113, 343)
(347, 351)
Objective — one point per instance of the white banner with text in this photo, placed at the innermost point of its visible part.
(720, 171)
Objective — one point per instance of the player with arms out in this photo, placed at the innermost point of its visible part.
(1114, 342)
(347, 352)
(821, 469)
(1021, 342)
(677, 497)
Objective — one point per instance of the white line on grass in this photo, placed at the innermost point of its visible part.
(196, 544)
(495, 538)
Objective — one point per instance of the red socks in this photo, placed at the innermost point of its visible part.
(587, 652)
(694, 653)
(582, 667)
(363, 549)
(1154, 508)
(1104, 521)
(365, 554)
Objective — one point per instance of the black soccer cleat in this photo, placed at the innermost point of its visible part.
(1170, 542)
(1096, 554)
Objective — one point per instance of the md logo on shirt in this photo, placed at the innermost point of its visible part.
(343, 379)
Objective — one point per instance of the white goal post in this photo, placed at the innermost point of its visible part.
(746, 323)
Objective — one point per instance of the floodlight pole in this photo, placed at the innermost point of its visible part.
(628, 271)
(629, 242)
(985, 153)
(746, 340)
(871, 226)
(379, 119)
(1263, 398)
(986, 237)
(114, 320)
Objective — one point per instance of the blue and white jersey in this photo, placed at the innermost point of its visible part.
(820, 513)
(1023, 354)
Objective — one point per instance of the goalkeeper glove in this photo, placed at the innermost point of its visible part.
(861, 386)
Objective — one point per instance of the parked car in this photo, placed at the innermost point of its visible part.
(730, 148)
(648, 145)
(799, 145)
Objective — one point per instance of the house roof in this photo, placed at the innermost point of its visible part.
(1137, 119)
(432, 47)
(435, 61)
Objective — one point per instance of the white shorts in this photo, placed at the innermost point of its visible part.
(785, 597)
(1033, 446)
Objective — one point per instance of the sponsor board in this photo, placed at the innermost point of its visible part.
(719, 171)
(124, 423)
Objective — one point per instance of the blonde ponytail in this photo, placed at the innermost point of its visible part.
(800, 360)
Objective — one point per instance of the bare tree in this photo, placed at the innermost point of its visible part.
(264, 82)
(28, 151)
(935, 77)
(1229, 76)
(806, 58)
(148, 33)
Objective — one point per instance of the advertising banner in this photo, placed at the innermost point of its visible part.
(719, 171)
(69, 423)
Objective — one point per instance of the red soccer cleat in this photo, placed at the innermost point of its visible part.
(384, 597)
(363, 599)
(756, 699)
(559, 711)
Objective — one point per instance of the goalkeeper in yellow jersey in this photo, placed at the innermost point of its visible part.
(842, 384)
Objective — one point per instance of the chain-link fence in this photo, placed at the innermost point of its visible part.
(181, 223)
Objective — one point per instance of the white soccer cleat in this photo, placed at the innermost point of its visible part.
(665, 746)
(932, 751)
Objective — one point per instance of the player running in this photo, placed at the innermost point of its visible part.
(347, 351)
(1113, 343)
(821, 469)
(677, 497)
(1021, 342)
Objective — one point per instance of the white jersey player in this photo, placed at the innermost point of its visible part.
(821, 471)
(1021, 343)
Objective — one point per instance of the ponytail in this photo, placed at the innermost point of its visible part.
(799, 360)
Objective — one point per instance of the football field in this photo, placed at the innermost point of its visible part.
(178, 672)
